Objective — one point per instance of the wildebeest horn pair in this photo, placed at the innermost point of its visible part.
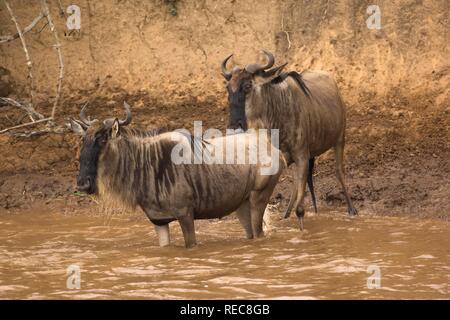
(252, 68)
(88, 122)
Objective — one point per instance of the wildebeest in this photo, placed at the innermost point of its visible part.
(137, 167)
(307, 109)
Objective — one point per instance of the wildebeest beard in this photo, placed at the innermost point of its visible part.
(89, 155)
(236, 102)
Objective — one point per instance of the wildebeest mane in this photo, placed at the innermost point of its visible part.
(297, 77)
(194, 140)
(142, 133)
(197, 143)
(135, 167)
(138, 170)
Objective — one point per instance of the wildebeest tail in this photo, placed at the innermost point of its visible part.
(310, 182)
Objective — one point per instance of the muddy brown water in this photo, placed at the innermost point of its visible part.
(119, 258)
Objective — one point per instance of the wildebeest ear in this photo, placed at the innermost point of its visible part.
(115, 128)
(76, 127)
(274, 72)
(269, 75)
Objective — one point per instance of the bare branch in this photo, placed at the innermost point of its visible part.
(27, 55)
(62, 13)
(27, 108)
(60, 58)
(285, 32)
(43, 27)
(32, 133)
(26, 125)
(28, 28)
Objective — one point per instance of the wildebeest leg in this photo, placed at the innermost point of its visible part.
(161, 227)
(257, 213)
(163, 235)
(301, 177)
(287, 213)
(311, 190)
(339, 152)
(258, 203)
(243, 213)
(187, 226)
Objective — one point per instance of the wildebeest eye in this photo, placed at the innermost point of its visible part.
(247, 87)
(101, 139)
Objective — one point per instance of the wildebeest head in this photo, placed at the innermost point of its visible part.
(96, 135)
(241, 81)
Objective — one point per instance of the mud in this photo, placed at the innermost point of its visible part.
(397, 165)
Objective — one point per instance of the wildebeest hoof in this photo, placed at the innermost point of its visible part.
(300, 221)
(287, 214)
(352, 212)
(300, 212)
(257, 235)
(162, 245)
(190, 245)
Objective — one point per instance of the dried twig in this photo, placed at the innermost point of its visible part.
(9, 120)
(43, 27)
(324, 16)
(62, 13)
(27, 55)
(285, 32)
(60, 58)
(21, 119)
(12, 37)
(26, 125)
(27, 108)
(32, 113)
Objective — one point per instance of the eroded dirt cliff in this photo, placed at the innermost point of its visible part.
(395, 82)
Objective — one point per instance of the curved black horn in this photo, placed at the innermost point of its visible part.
(254, 68)
(83, 118)
(226, 74)
(127, 120)
(270, 59)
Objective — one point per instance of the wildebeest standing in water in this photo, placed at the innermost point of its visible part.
(307, 109)
(136, 167)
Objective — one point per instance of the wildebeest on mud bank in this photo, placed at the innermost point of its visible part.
(307, 109)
